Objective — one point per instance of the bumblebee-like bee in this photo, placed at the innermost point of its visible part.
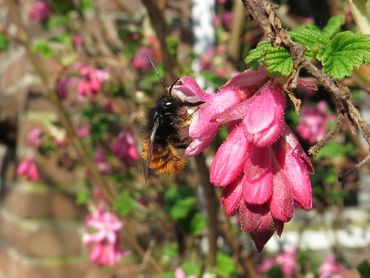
(163, 131)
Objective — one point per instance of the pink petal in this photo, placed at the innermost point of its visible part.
(264, 118)
(258, 163)
(218, 103)
(198, 145)
(296, 173)
(230, 158)
(191, 90)
(258, 192)
(258, 221)
(307, 83)
(282, 203)
(246, 79)
(231, 196)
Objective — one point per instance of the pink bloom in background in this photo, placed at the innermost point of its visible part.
(330, 268)
(125, 147)
(34, 137)
(140, 61)
(214, 60)
(40, 11)
(83, 131)
(63, 84)
(179, 273)
(78, 40)
(287, 260)
(314, 122)
(101, 161)
(92, 80)
(261, 166)
(101, 235)
(27, 168)
(228, 19)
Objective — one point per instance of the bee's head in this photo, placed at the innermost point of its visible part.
(166, 103)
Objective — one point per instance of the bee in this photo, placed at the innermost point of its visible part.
(163, 130)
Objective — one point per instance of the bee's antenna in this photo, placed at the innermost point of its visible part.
(157, 73)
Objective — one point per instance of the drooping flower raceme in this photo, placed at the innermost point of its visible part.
(91, 82)
(28, 169)
(101, 235)
(39, 11)
(141, 61)
(261, 165)
(330, 268)
(314, 122)
(34, 137)
(287, 260)
(125, 147)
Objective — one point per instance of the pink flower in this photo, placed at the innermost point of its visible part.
(83, 131)
(63, 84)
(34, 137)
(91, 82)
(141, 61)
(40, 11)
(106, 254)
(261, 165)
(330, 268)
(101, 161)
(286, 260)
(179, 273)
(228, 19)
(125, 148)
(78, 40)
(314, 122)
(101, 235)
(27, 168)
(214, 60)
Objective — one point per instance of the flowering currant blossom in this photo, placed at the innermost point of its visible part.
(101, 161)
(34, 137)
(27, 168)
(179, 273)
(40, 11)
(141, 61)
(101, 235)
(330, 268)
(261, 166)
(314, 121)
(125, 148)
(91, 82)
(287, 260)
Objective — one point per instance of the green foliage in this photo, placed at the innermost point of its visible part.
(339, 53)
(125, 204)
(173, 43)
(85, 5)
(274, 272)
(277, 59)
(165, 275)
(225, 265)
(56, 20)
(83, 197)
(43, 48)
(191, 269)
(347, 50)
(333, 26)
(4, 42)
(364, 269)
(180, 204)
(334, 149)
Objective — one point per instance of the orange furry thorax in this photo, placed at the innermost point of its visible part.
(163, 159)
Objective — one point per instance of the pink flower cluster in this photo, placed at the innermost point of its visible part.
(261, 166)
(314, 122)
(330, 268)
(214, 60)
(179, 273)
(34, 137)
(125, 148)
(100, 159)
(92, 80)
(40, 11)
(101, 235)
(27, 168)
(287, 260)
(141, 61)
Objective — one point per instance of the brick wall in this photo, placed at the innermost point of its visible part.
(39, 221)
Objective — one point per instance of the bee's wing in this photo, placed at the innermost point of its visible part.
(151, 146)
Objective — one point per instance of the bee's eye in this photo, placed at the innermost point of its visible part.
(168, 103)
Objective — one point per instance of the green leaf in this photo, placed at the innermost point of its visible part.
(191, 269)
(334, 149)
(333, 26)
(274, 272)
(85, 5)
(312, 40)
(180, 202)
(82, 197)
(56, 20)
(173, 42)
(364, 269)
(197, 224)
(4, 42)
(42, 47)
(165, 275)
(277, 59)
(347, 50)
(225, 265)
(125, 204)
